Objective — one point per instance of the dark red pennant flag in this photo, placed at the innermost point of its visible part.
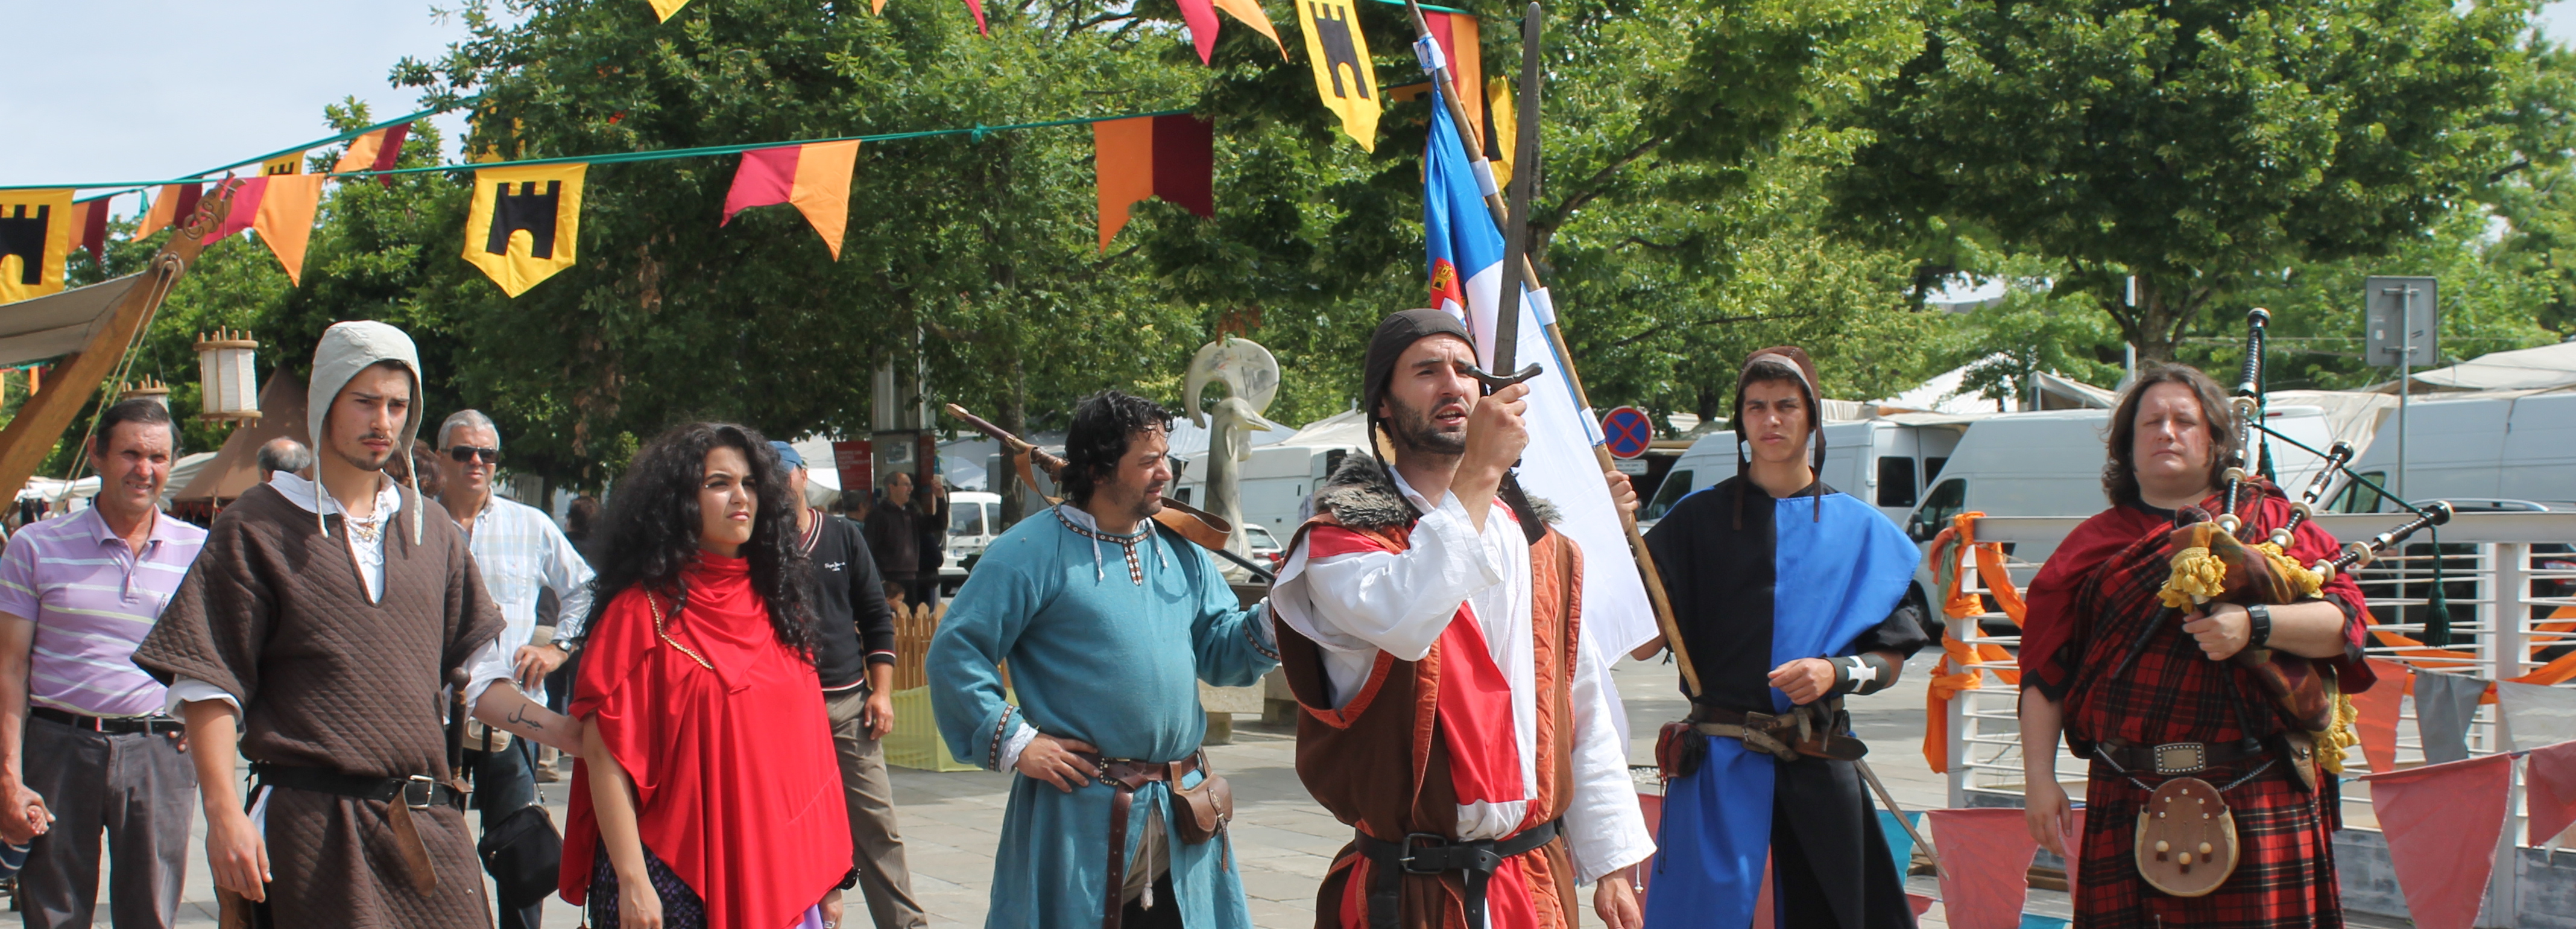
(2442, 822)
(2550, 773)
(1985, 864)
(1172, 157)
(176, 203)
(93, 227)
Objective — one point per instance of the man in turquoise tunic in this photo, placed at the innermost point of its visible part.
(1108, 622)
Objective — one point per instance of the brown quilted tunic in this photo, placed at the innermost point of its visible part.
(274, 613)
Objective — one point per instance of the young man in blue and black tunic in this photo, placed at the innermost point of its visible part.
(1788, 595)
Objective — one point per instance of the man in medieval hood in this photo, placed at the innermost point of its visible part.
(314, 635)
(1428, 623)
(1788, 595)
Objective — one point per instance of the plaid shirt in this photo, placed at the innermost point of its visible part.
(520, 552)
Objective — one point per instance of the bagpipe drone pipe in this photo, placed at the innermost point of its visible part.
(2215, 562)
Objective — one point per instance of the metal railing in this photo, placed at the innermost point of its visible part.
(2510, 579)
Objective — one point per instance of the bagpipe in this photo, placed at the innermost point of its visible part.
(2221, 558)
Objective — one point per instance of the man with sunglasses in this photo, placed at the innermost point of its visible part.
(520, 553)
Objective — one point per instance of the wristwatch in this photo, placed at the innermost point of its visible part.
(2258, 625)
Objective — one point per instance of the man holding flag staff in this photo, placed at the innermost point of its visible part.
(1787, 595)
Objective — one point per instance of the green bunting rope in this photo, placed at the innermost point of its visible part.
(200, 177)
(978, 131)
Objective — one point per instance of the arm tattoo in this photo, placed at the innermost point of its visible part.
(519, 715)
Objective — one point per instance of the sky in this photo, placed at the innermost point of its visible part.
(130, 90)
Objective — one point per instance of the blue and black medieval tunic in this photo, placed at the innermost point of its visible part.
(1756, 582)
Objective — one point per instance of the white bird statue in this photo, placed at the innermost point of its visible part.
(1251, 379)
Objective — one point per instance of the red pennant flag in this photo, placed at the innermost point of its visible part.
(1172, 157)
(2075, 858)
(93, 226)
(375, 151)
(1985, 860)
(815, 178)
(176, 203)
(1460, 40)
(280, 208)
(976, 7)
(2376, 712)
(2442, 822)
(1201, 17)
(2550, 775)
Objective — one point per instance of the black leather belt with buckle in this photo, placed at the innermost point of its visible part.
(2175, 759)
(111, 725)
(417, 791)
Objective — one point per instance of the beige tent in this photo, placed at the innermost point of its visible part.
(235, 468)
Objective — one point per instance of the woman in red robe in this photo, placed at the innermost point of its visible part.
(707, 794)
(2105, 667)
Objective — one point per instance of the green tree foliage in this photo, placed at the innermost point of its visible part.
(2195, 144)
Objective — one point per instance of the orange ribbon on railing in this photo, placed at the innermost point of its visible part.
(1958, 668)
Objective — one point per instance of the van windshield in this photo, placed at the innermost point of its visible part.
(1945, 501)
(966, 519)
(1676, 485)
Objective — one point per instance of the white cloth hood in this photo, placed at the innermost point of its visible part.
(346, 349)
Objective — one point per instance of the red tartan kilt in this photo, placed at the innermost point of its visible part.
(2285, 873)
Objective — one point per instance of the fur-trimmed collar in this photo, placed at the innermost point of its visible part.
(1361, 495)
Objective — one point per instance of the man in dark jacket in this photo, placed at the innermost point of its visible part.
(856, 664)
(894, 535)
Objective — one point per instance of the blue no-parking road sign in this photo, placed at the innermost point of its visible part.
(1626, 432)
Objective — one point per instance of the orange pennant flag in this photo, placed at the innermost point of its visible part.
(280, 209)
(1249, 13)
(1172, 157)
(815, 178)
(374, 151)
(175, 204)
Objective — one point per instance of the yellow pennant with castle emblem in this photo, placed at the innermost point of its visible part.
(35, 238)
(524, 223)
(1343, 75)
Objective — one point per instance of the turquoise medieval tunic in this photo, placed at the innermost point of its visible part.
(1106, 643)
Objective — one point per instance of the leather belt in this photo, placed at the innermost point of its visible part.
(1427, 854)
(112, 725)
(416, 792)
(2174, 759)
(1126, 775)
(1816, 730)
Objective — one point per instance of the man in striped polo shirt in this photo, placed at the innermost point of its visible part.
(77, 593)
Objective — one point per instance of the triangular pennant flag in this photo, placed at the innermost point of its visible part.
(285, 219)
(283, 164)
(2537, 715)
(662, 10)
(524, 223)
(93, 227)
(2442, 822)
(176, 203)
(2444, 704)
(1460, 43)
(1985, 857)
(2376, 712)
(1172, 157)
(242, 208)
(375, 151)
(1344, 76)
(977, 7)
(1200, 16)
(2074, 858)
(2549, 776)
(814, 177)
(35, 240)
(1249, 13)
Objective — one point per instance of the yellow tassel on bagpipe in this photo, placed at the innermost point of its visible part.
(2330, 749)
(2306, 581)
(2197, 576)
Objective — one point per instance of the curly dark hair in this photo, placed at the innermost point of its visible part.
(1103, 424)
(2120, 472)
(652, 528)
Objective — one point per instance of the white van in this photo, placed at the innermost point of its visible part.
(2489, 447)
(974, 518)
(1273, 486)
(1884, 462)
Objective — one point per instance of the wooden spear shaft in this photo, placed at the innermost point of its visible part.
(1654, 580)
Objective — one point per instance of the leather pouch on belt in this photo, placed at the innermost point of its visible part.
(1679, 749)
(1203, 810)
(2186, 838)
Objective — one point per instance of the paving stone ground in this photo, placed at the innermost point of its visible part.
(1283, 840)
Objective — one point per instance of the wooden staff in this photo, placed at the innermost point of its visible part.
(1207, 529)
